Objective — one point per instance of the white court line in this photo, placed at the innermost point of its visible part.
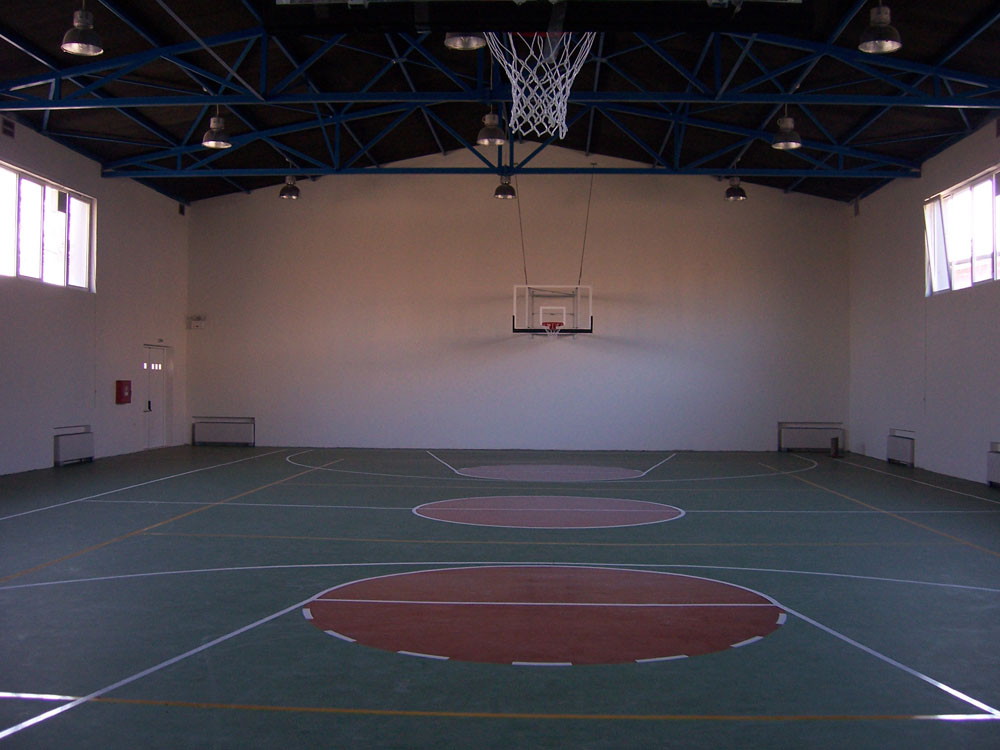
(657, 465)
(888, 660)
(567, 481)
(545, 604)
(146, 672)
(459, 478)
(917, 481)
(257, 505)
(467, 563)
(37, 697)
(140, 484)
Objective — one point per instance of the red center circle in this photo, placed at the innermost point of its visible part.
(548, 511)
(545, 615)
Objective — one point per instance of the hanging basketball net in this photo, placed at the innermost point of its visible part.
(552, 327)
(541, 68)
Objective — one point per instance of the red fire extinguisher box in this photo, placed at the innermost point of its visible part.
(123, 391)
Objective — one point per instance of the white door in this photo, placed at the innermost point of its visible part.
(156, 396)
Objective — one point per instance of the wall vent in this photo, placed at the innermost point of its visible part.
(223, 431)
(900, 447)
(72, 444)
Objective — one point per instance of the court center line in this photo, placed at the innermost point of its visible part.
(146, 672)
(140, 484)
(918, 481)
(467, 563)
(147, 529)
(889, 660)
(374, 540)
(910, 521)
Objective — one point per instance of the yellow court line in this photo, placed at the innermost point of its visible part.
(146, 529)
(545, 716)
(898, 517)
(371, 540)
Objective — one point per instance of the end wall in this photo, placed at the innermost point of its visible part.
(375, 311)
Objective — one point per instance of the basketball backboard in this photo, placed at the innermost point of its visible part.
(537, 308)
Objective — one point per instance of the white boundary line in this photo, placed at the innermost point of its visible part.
(146, 672)
(888, 660)
(140, 484)
(917, 481)
(813, 465)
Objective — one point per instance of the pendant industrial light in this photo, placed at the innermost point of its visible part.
(289, 191)
(216, 135)
(82, 39)
(505, 191)
(734, 192)
(880, 36)
(787, 138)
(464, 40)
(491, 133)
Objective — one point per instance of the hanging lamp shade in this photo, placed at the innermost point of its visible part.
(734, 192)
(216, 135)
(82, 39)
(505, 191)
(465, 40)
(787, 137)
(880, 37)
(289, 191)
(491, 134)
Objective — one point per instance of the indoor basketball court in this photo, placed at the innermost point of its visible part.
(487, 374)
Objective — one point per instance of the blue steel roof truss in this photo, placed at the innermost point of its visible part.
(674, 103)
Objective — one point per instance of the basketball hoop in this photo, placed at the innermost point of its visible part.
(552, 327)
(541, 69)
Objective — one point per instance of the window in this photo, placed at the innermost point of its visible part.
(45, 230)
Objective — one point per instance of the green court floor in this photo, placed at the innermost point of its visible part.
(162, 600)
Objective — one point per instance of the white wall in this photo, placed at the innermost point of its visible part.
(924, 364)
(376, 310)
(61, 350)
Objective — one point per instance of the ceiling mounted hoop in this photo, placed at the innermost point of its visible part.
(541, 68)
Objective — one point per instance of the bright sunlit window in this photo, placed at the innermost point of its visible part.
(45, 230)
(962, 234)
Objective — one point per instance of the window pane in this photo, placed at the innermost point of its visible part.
(29, 245)
(79, 242)
(8, 223)
(54, 237)
(982, 230)
(996, 226)
(937, 258)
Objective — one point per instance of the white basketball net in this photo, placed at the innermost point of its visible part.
(541, 69)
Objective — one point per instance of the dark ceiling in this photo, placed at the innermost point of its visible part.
(347, 87)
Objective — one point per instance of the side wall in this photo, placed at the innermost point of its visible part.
(376, 311)
(929, 365)
(61, 350)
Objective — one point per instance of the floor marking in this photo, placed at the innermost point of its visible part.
(657, 465)
(140, 484)
(888, 660)
(541, 664)
(307, 613)
(900, 518)
(423, 656)
(661, 658)
(782, 618)
(145, 529)
(542, 604)
(37, 697)
(516, 543)
(747, 642)
(272, 505)
(605, 482)
(467, 563)
(146, 672)
(341, 636)
(918, 481)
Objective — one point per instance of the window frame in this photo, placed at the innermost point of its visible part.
(73, 198)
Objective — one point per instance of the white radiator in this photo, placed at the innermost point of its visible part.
(223, 431)
(809, 436)
(899, 449)
(74, 446)
(993, 468)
